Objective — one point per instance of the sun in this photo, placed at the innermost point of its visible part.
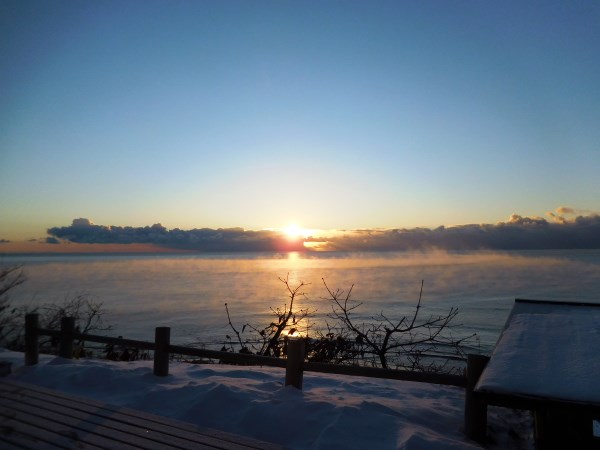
(294, 232)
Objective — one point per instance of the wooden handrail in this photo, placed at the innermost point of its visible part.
(165, 348)
(240, 358)
(390, 374)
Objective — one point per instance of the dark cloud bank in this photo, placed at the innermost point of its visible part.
(518, 233)
(204, 239)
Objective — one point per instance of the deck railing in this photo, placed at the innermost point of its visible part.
(294, 364)
(162, 348)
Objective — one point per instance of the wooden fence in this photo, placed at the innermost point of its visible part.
(295, 364)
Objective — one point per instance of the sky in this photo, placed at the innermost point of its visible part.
(330, 115)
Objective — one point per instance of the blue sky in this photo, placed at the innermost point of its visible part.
(332, 115)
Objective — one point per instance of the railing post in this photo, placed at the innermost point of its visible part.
(31, 339)
(295, 361)
(475, 408)
(162, 340)
(65, 344)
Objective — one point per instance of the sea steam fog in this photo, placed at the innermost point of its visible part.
(188, 293)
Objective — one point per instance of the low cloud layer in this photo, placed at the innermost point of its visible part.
(204, 239)
(517, 233)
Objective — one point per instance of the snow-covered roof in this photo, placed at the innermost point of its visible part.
(549, 350)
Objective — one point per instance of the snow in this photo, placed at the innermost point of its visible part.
(547, 350)
(331, 412)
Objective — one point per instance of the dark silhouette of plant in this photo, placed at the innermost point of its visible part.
(335, 346)
(410, 342)
(10, 324)
(271, 339)
(87, 312)
(117, 352)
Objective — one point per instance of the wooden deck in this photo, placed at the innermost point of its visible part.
(33, 417)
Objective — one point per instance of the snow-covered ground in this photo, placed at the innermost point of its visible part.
(331, 412)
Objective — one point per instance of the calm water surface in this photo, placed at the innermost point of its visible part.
(188, 292)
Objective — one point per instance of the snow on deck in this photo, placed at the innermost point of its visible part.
(549, 350)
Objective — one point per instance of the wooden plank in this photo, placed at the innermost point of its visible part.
(30, 433)
(169, 430)
(113, 418)
(137, 435)
(390, 374)
(11, 445)
(237, 358)
(16, 434)
(101, 339)
(532, 403)
(557, 302)
(89, 428)
(79, 430)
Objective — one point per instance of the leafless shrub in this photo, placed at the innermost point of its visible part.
(412, 342)
(10, 324)
(409, 342)
(271, 339)
(84, 308)
(88, 314)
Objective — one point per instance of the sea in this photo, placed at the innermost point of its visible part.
(188, 292)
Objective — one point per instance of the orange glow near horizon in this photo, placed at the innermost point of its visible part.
(42, 247)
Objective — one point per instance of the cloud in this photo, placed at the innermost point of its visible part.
(565, 210)
(82, 223)
(4, 241)
(515, 219)
(516, 233)
(204, 239)
(558, 215)
(52, 240)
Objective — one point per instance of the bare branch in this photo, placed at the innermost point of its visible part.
(408, 340)
(233, 328)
